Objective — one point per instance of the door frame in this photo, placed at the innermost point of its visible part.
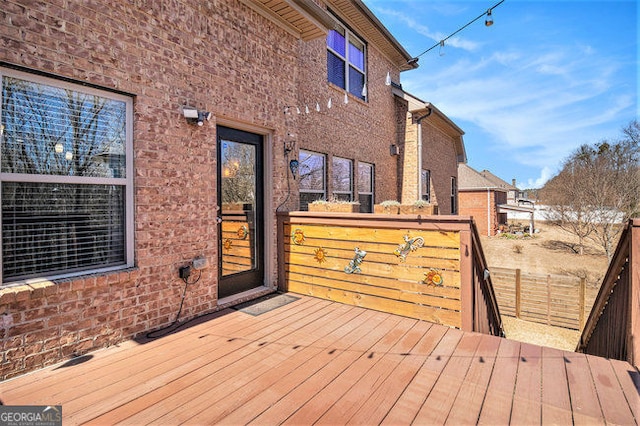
(269, 241)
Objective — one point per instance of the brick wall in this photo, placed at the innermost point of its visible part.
(220, 56)
(439, 156)
(359, 131)
(474, 203)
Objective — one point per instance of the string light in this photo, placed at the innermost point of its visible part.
(489, 20)
(488, 23)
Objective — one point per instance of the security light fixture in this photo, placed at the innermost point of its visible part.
(194, 116)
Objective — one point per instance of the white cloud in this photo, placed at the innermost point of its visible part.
(540, 105)
(410, 22)
(545, 175)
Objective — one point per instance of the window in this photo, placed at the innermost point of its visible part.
(312, 178)
(365, 187)
(342, 172)
(66, 178)
(426, 185)
(346, 61)
(454, 195)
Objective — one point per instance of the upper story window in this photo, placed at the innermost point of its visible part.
(365, 187)
(342, 172)
(346, 61)
(66, 178)
(312, 171)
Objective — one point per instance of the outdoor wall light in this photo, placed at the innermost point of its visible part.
(202, 116)
(293, 165)
(194, 116)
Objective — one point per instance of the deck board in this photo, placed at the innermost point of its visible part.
(317, 361)
(556, 401)
(527, 400)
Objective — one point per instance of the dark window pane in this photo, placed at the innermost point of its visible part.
(50, 228)
(356, 82)
(366, 203)
(335, 70)
(309, 197)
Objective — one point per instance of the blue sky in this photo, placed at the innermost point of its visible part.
(547, 77)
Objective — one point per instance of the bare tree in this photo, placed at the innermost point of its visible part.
(597, 190)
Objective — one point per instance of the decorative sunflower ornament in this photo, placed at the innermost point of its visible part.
(433, 277)
(320, 255)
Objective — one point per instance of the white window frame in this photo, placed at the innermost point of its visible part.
(350, 37)
(127, 181)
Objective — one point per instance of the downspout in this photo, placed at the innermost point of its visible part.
(488, 212)
(419, 121)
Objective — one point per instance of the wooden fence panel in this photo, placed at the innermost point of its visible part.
(555, 300)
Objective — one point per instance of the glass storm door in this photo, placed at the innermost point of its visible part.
(240, 218)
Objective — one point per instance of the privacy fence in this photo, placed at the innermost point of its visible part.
(557, 300)
(430, 268)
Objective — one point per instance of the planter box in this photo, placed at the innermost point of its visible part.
(379, 208)
(335, 207)
(429, 210)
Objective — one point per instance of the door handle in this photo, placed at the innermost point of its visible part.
(218, 220)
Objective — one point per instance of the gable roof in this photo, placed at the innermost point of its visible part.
(497, 181)
(471, 180)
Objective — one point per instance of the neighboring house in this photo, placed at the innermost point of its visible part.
(139, 138)
(490, 200)
(480, 198)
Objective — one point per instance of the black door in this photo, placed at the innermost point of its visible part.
(240, 218)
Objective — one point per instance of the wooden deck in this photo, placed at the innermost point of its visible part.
(317, 361)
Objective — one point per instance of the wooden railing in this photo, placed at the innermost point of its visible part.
(486, 314)
(431, 268)
(613, 327)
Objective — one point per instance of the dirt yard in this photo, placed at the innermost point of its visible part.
(548, 251)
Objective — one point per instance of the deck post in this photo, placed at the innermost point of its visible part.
(518, 293)
(583, 285)
(634, 293)
(466, 280)
(548, 299)
(282, 284)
